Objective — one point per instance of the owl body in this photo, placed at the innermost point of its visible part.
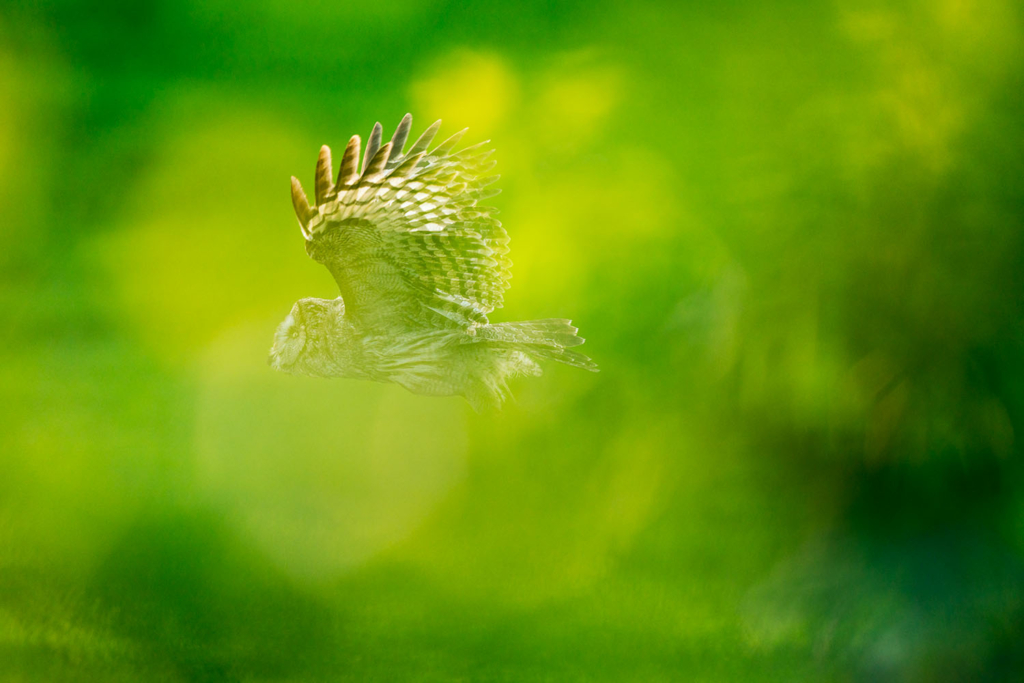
(317, 340)
(420, 264)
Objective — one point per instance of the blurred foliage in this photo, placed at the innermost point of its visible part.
(792, 233)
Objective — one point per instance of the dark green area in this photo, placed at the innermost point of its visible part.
(792, 233)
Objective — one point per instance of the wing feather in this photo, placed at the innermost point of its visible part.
(375, 166)
(348, 174)
(407, 237)
(303, 210)
(425, 139)
(449, 144)
(373, 144)
(400, 136)
(322, 182)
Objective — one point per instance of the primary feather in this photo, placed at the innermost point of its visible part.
(420, 264)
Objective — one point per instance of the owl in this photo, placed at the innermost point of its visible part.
(420, 263)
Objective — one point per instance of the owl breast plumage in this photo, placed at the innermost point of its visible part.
(420, 263)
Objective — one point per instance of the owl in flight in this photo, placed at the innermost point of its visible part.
(420, 263)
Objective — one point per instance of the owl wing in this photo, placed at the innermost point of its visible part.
(404, 235)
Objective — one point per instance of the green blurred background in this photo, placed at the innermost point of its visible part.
(792, 233)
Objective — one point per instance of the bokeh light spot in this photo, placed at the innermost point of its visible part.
(468, 89)
(323, 474)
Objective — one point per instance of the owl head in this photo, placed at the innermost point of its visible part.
(303, 340)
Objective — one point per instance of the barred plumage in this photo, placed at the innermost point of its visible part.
(420, 263)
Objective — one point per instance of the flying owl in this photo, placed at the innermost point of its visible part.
(420, 264)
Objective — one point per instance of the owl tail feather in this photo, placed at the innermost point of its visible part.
(548, 339)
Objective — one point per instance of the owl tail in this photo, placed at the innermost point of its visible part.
(548, 339)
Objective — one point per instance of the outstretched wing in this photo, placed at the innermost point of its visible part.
(404, 235)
